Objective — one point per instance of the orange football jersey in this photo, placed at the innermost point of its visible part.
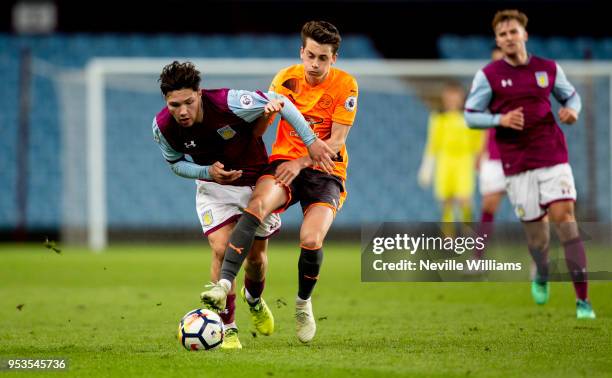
(334, 100)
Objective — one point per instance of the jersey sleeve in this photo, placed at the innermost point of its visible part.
(178, 164)
(188, 169)
(246, 104)
(477, 104)
(250, 105)
(346, 107)
(565, 92)
(167, 151)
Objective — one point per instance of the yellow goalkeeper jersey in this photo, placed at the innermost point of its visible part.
(454, 147)
(450, 136)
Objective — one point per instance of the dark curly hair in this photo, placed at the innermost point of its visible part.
(177, 76)
(323, 33)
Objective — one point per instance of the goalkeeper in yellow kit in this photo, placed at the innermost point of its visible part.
(450, 156)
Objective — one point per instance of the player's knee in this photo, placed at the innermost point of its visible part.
(567, 230)
(257, 206)
(539, 243)
(312, 240)
(564, 217)
(561, 212)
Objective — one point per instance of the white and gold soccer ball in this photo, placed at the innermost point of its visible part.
(201, 329)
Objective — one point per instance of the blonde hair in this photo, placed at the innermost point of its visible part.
(507, 15)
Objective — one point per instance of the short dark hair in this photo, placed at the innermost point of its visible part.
(509, 14)
(323, 33)
(177, 76)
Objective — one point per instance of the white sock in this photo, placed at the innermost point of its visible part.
(230, 325)
(301, 302)
(227, 285)
(249, 297)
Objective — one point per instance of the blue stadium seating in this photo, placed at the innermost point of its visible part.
(479, 47)
(385, 148)
(130, 202)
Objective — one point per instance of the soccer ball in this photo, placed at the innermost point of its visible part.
(201, 329)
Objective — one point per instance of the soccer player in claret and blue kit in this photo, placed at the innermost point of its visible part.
(220, 130)
(513, 95)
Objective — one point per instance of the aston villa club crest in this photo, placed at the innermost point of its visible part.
(520, 211)
(226, 132)
(542, 79)
(207, 218)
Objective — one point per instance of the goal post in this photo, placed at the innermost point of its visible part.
(382, 73)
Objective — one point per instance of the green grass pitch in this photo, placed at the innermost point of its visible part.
(116, 314)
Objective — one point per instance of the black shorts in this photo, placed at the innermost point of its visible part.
(310, 187)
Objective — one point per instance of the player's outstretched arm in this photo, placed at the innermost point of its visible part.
(287, 171)
(270, 110)
(319, 151)
(251, 105)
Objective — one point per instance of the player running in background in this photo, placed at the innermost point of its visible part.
(220, 129)
(516, 92)
(450, 157)
(328, 99)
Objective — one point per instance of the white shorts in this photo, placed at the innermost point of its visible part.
(531, 192)
(491, 178)
(218, 205)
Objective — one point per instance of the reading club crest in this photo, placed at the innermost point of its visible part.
(226, 132)
(325, 101)
(542, 79)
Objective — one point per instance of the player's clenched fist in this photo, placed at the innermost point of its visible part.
(514, 119)
(568, 115)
